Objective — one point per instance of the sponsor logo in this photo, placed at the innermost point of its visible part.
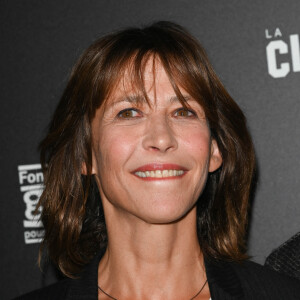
(283, 54)
(31, 185)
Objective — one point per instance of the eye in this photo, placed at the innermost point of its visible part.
(184, 113)
(129, 113)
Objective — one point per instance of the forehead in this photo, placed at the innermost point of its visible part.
(140, 85)
(136, 77)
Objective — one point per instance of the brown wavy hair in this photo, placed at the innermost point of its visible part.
(72, 211)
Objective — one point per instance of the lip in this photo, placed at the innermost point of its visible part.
(159, 166)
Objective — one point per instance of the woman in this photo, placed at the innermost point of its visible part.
(148, 166)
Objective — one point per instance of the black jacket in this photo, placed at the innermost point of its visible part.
(247, 280)
(286, 258)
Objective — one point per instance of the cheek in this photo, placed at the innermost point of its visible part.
(197, 145)
(115, 147)
(197, 142)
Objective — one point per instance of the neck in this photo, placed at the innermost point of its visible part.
(152, 261)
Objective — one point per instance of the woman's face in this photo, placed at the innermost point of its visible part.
(152, 162)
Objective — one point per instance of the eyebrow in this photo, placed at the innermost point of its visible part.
(186, 98)
(140, 99)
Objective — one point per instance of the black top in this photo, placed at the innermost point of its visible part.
(227, 281)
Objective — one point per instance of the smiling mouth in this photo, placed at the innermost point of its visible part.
(158, 171)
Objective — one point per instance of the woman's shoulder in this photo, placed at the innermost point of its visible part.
(84, 286)
(57, 291)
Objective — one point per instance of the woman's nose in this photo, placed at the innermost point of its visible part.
(159, 136)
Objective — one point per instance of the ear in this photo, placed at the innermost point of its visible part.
(84, 168)
(215, 160)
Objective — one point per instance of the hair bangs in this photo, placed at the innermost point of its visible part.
(127, 59)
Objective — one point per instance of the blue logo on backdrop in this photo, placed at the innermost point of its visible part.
(31, 185)
(277, 50)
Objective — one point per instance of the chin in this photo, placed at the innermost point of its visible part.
(165, 215)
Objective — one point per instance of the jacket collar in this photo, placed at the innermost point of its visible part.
(222, 280)
(85, 287)
(221, 276)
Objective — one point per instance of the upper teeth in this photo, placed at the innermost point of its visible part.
(159, 173)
